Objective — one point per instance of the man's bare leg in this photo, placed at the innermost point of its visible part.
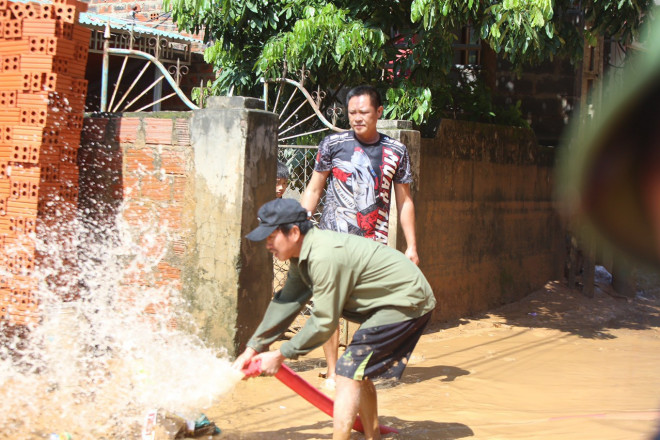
(353, 396)
(347, 403)
(369, 410)
(331, 351)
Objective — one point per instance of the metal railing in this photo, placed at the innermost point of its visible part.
(300, 112)
(301, 120)
(178, 70)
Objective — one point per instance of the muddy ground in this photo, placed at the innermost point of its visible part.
(555, 365)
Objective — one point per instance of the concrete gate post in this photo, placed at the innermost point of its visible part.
(404, 133)
(228, 279)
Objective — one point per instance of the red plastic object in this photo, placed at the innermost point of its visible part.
(253, 369)
(308, 392)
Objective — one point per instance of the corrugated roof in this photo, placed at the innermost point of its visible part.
(98, 21)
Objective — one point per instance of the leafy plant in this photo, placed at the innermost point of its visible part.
(404, 47)
(409, 103)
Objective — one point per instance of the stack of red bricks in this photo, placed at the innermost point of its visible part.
(43, 57)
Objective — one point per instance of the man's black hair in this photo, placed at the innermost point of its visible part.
(282, 171)
(365, 90)
(304, 226)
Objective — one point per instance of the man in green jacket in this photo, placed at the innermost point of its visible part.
(354, 277)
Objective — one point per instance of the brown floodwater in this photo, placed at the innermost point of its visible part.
(556, 365)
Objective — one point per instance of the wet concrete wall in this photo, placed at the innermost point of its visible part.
(487, 229)
(235, 150)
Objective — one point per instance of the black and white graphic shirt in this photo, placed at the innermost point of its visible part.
(357, 199)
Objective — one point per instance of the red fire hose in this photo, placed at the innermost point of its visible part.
(308, 392)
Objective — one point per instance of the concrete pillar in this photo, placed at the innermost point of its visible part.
(228, 279)
(404, 133)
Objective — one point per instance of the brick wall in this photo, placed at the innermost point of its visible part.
(548, 93)
(149, 13)
(43, 54)
(137, 166)
(143, 10)
(488, 233)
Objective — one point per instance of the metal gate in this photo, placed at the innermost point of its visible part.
(145, 52)
(302, 120)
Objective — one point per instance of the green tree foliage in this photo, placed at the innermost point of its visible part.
(402, 46)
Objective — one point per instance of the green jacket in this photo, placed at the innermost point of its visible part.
(354, 277)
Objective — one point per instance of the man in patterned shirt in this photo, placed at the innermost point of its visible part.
(360, 167)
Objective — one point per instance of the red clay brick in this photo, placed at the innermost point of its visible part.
(81, 33)
(158, 131)
(66, 13)
(136, 214)
(173, 161)
(94, 129)
(127, 129)
(102, 158)
(152, 248)
(155, 189)
(117, 191)
(24, 10)
(12, 29)
(131, 185)
(179, 247)
(169, 271)
(170, 217)
(5, 152)
(11, 63)
(7, 99)
(39, 26)
(50, 172)
(182, 128)
(13, 80)
(179, 188)
(20, 263)
(25, 152)
(21, 225)
(139, 160)
(10, 116)
(19, 209)
(4, 171)
(24, 190)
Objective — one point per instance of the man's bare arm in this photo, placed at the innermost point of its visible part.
(406, 208)
(314, 190)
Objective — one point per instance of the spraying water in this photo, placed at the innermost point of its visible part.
(96, 363)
